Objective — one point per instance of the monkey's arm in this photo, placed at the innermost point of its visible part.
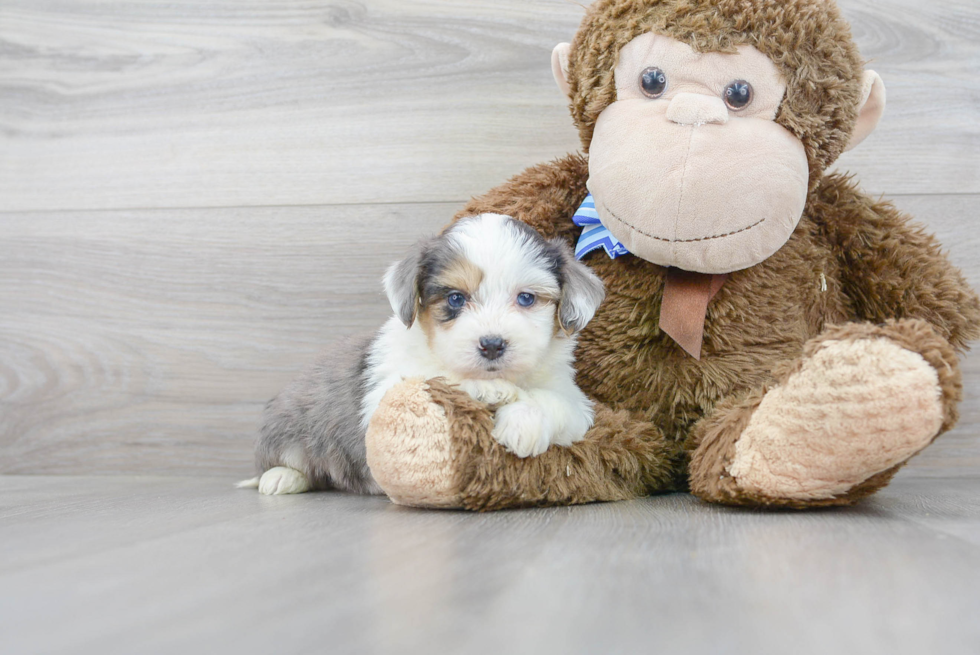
(891, 268)
(430, 445)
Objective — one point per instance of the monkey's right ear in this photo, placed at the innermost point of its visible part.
(871, 109)
(402, 286)
(559, 67)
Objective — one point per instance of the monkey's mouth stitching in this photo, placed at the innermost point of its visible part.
(654, 236)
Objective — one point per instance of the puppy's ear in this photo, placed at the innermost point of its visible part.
(402, 285)
(581, 291)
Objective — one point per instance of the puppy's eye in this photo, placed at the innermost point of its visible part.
(525, 299)
(456, 300)
(738, 95)
(653, 82)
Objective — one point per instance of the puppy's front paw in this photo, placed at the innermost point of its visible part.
(577, 425)
(492, 392)
(282, 480)
(522, 428)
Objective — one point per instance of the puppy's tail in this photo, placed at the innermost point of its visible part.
(248, 484)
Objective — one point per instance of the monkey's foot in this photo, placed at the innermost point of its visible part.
(860, 402)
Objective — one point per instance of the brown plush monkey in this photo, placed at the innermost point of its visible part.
(775, 336)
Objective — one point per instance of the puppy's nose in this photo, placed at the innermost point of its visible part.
(492, 347)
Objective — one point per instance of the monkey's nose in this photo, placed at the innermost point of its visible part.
(697, 109)
(492, 347)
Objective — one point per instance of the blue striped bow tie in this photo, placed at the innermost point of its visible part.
(595, 234)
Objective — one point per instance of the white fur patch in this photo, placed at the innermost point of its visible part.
(282, 480)
(523, 428)
(492, 392)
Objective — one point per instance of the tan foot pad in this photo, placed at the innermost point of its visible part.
(408, 448)
(854, 409)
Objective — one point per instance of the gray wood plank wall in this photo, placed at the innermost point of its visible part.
(195, 197)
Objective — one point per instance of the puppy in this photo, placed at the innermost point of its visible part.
(490, 306)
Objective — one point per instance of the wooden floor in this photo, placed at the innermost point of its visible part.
(172, 565)
(195, 197)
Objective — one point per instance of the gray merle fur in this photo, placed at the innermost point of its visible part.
(320, 411)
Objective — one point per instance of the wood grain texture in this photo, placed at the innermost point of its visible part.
(150, 340)
(149, 565)
(928, 54)
(186, 104)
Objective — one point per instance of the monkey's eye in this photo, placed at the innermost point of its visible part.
(738, 95)
(525, 299)
(456, 300)
(653, 82)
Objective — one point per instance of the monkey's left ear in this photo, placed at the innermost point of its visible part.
(559, 67)
(872, 107)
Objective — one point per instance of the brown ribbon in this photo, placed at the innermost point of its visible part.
(684, 305)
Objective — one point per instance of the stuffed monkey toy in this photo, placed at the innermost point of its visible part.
(771, 336)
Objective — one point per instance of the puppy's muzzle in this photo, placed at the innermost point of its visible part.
(492, 347)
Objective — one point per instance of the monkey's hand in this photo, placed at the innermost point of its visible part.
(842, 419)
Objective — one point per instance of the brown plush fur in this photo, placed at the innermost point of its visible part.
(622, 459)
(664, 419)
(811, 46)
(713, 439)
(872, 262)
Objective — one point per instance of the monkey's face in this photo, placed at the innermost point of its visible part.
(688, 167)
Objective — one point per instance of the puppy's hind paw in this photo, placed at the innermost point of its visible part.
(282, 480)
